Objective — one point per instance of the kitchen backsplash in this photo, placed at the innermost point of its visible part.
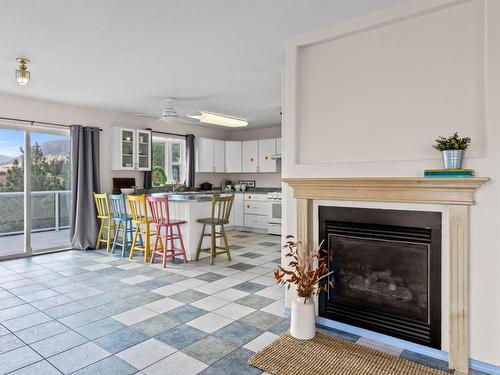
(261, 179)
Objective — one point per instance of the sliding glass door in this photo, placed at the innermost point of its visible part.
(12, 196)
(35, 192)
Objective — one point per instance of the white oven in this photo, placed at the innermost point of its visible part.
(274, 215)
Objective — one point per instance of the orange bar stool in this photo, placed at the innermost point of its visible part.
(139, 212)
(161, 220)
(105, 215)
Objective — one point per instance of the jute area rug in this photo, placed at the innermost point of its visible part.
(329, 355)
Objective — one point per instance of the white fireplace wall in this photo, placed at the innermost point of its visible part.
(305, 153)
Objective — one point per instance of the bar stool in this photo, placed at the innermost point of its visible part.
(107, 223)
(160, 213)
(140, 219)
(123, 222)
(221, 209)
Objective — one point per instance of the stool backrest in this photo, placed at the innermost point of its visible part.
(159, 209)
(138, 208)
(102, 205)
(118, 206)
(221, 206)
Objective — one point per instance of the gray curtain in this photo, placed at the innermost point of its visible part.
(84, 181)
(190, 161)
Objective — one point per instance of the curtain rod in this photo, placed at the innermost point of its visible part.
(32, 122)
(167, 133)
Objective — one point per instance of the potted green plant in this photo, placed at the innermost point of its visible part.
(308, 271)
(452, 150)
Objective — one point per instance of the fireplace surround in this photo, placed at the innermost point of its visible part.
(456, 194)
(387, 271)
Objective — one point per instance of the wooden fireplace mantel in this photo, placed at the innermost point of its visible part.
(456, 193)
(389, 189)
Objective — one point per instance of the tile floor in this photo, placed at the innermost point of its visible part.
(90, 313)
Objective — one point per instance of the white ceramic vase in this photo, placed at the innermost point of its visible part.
(302, 322)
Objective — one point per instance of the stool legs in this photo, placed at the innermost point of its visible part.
(223, 232)
(213, 245)
(200, 242)
(181, 243)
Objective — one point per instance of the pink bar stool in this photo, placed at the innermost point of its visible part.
(161, 220)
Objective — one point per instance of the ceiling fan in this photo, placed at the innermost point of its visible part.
(170, 115)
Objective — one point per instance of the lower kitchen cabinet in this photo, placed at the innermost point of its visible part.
(255, 221)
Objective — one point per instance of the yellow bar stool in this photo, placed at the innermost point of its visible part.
(139, 212)
(105, 215)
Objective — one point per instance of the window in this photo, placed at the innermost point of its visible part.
(168, 161)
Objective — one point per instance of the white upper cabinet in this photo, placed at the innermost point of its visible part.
(233, 156)
(219, 156)
(130, 149)
(205, 149)
(278, 146)
(143, 150)
(267, 148)
(250, 156)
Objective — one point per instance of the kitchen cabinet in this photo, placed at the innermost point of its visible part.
(238, 210)
(233, 157)
(205, 149)
(219, 156)
(278, 146)
(236, 217)
(210, 155)
(130, 149)
(255, 210)
(267, 148)
(250, 156)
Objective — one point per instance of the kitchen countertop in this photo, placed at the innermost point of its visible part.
(202, 196)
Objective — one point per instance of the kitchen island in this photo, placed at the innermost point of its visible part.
(190, 207)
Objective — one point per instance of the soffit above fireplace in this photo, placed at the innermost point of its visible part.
(450, 191)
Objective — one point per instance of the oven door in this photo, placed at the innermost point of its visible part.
(275, 212)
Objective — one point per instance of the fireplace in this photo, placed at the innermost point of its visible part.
(387, 270)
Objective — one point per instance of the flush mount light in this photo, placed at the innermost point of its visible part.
(22, 73)
(222, 120)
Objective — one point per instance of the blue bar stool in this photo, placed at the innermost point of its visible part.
(123, 222)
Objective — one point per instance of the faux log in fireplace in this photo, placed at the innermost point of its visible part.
(387, 270)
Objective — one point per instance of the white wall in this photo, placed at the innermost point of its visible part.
(32, 109)
(373, 94)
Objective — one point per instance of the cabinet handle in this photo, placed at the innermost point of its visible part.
(266, 157)
(251, 159)
(248, 206)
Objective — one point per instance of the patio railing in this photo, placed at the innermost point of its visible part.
(50, 210)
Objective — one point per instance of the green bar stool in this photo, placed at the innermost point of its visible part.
(221, 209)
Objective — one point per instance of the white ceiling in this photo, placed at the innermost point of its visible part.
(218, 55)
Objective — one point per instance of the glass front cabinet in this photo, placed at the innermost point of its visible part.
(130, 149)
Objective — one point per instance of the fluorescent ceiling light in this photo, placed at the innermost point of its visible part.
(216, 119)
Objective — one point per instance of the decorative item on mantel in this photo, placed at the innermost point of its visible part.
(308, 281)
(452, 150)
(449, 173)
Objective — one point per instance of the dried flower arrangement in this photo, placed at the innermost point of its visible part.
(301, 271)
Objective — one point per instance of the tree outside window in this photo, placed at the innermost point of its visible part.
(168, 161)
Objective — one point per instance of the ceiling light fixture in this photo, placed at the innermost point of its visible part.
(22, 73)
(222, 120)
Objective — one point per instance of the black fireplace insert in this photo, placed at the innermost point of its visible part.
(387, 271)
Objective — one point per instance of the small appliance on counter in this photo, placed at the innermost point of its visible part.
(274, 215)
(206, 186)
